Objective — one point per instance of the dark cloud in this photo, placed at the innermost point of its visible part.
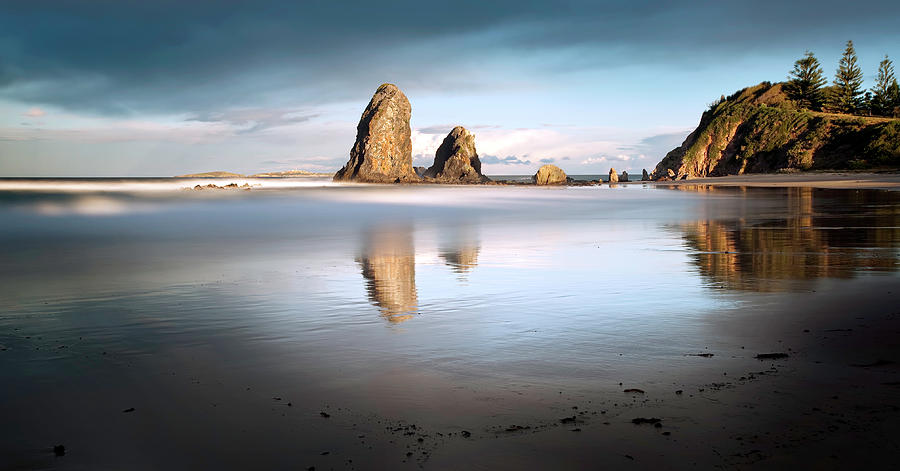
(547, 161)
(508, 160)
(124, 56)
(253, 120)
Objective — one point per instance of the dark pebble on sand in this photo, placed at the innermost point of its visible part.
(59, 450)
(567, 420)
(642, 420)
(667, 433)
(576, 429)
(325, 414)
(679, 392)
(130, 409)
(466, 433)
(634, 391)
(658, 425)
(771, 356)
(325, 453)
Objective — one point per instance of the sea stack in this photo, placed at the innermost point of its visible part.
(549, 175)
(645, 177)
(624, 177)
(383, 149)
(613, 176)
(456, 160)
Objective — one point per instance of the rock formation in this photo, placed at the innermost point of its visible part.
(759, 129)
(613, 177)
(420, 171)
(645, 176)
(624, 177)
(549, 175)
(383, 149)
(456, 160)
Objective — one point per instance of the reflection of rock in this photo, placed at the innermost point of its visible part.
(461, 259)
(456, 160)
(383, 149)
(809, 243)
(460, 251)
(388, 264)
(549, 175)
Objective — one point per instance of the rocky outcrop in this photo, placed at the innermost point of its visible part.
(645, 176)
(549, 175)
(759, 129)
(613, 176)
(383, 149)
(624, 176)
(420, 171)
(456, 160)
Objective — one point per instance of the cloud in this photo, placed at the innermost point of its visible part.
(138, 57)
(508, 160)
(253, 120)
(34, 113)
(547, 161)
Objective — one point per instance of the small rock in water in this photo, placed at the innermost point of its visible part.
(613, 177)
(634, 391)
(325, 414)
(130, 409)
(466, 433)
(59, 450)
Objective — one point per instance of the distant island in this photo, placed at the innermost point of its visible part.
(284, 174)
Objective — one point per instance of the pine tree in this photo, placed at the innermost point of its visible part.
(847, 83)
(882, 100)
(806, 82)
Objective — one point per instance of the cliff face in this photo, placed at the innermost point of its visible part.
(758, 130)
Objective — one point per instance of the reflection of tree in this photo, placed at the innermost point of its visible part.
(388, 264)
(808, 234)
(460, 252)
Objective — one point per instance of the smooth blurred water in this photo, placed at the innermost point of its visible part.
(358, 292)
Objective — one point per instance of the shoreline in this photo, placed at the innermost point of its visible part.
(832, 180)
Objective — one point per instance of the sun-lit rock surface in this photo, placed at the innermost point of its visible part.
(383, 149)
(456, 160)
(549, 175)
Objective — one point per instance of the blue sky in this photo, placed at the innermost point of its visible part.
(128, 88)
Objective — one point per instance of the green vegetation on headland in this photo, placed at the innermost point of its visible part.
(797, 125)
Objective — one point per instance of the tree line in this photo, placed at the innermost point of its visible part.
(807, 87)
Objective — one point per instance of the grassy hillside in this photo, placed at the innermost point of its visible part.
(759, 130)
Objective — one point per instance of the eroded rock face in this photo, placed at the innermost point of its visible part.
(456, 160)
(383, 149)
(549, 175)
(613, 176)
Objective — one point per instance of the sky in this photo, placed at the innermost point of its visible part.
(137, 88)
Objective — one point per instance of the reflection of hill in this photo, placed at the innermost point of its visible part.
(388, 264)
(807, 234)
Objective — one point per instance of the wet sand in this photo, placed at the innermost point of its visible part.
(315, 328)
(836, 180)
